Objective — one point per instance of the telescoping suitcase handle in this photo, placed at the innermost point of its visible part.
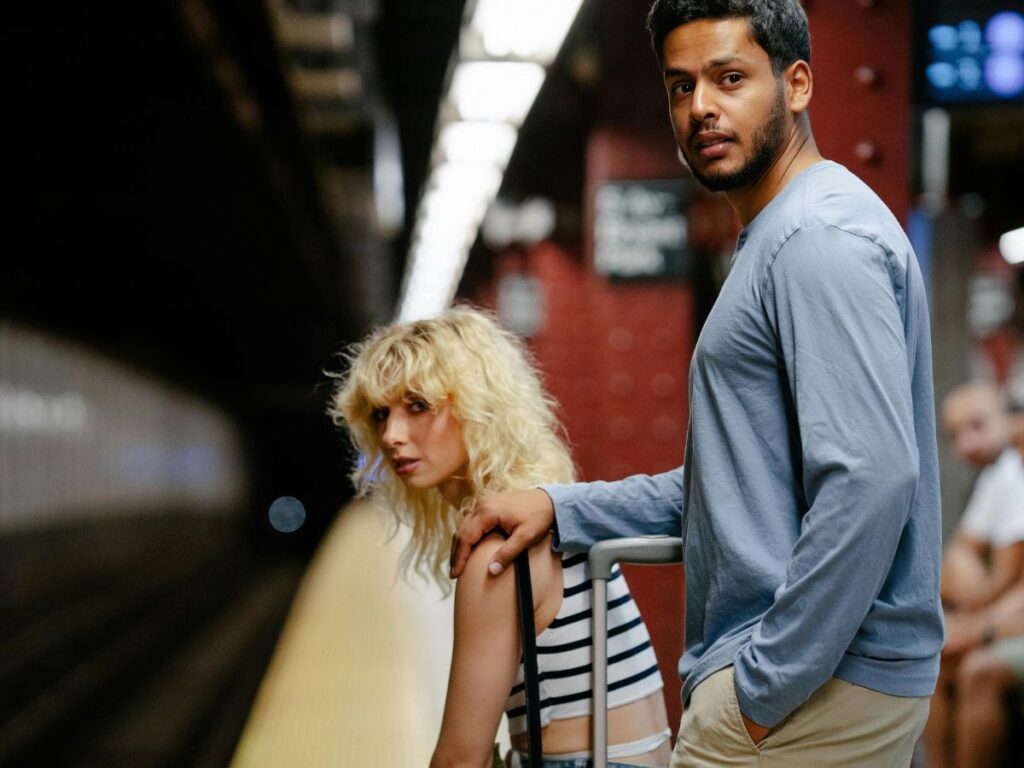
(650, 550)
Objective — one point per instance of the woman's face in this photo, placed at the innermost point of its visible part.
(424, 446)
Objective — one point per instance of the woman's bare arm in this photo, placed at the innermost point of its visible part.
(484, 662)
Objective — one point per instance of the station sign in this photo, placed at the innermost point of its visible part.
(641, 231)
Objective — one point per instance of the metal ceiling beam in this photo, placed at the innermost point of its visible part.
(315, 31)
(343, 83)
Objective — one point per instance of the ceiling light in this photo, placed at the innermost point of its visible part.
(512, 28)
(431, 281)
(460, 181)
(451, 232)
(478, 143)
(490, 98)
(1011, 245)
(498, 91)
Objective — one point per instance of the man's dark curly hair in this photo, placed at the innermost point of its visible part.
(778, 26)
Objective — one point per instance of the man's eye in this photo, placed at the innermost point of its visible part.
(379, 414)
(733, 79)
(681, 89)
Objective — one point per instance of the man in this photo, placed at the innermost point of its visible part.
(809, 501)
(982, 587)
(987, 553)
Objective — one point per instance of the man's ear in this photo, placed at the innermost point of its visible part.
(799, 86)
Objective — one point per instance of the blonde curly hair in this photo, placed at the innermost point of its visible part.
(509, 428)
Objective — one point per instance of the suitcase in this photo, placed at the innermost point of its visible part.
(602, 557)
(648, 550)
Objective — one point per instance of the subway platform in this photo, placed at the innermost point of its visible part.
(360, 671)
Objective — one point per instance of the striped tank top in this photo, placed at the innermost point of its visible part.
(564, 652)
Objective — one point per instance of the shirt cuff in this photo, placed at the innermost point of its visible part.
(564, 529)
(769, 717)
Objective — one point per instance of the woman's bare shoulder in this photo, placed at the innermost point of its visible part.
(477, 582)
(482, 554)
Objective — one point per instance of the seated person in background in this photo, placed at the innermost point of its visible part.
(442, 411)
(987, 554)
(982, 587)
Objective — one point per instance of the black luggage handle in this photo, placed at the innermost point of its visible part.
(528, 633)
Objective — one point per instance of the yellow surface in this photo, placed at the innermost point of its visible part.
(359, 674)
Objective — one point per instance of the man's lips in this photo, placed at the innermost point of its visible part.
(404, 465)
(711, 144)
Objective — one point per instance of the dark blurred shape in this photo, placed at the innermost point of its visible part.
(83, 437)
(133, 642)
(133, 606)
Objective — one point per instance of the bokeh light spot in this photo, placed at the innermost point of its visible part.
(287, 514)
(1005, 74)
(1005, 32)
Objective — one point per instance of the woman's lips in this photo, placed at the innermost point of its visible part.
(405, 466)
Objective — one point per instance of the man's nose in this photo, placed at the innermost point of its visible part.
(702, 103)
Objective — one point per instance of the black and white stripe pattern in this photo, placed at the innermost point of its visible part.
(564, 655)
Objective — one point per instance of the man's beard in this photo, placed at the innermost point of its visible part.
(767, 141)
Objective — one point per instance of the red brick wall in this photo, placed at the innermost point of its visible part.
(850, 111)
(615, 357)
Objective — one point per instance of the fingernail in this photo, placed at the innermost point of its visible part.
(495, 568)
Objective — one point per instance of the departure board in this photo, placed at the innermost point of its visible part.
(970, 52)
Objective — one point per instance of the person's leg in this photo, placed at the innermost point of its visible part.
(711, 733)
(984, 683)
(843, 724)
(840, 724)
(938, 732)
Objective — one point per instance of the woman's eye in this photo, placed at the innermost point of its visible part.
(379, 415)
(418, 406)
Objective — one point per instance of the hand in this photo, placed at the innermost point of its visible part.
(973, 599)
(963, 632)
(526, 516)
(757, 732)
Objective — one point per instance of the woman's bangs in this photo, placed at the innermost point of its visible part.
(402, 370)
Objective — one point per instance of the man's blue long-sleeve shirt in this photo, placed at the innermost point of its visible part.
(809, 501)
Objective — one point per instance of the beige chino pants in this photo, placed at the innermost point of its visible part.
(841, 724)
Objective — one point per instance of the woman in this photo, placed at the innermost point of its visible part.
(442, 411)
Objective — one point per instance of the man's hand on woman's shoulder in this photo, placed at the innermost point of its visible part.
(526, 516)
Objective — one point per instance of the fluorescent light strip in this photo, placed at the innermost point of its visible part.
(478, 142)
(512, 28)
(499, 91)
(486, 102)
(432, 281)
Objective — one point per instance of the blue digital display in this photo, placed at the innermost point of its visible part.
(976, 59)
